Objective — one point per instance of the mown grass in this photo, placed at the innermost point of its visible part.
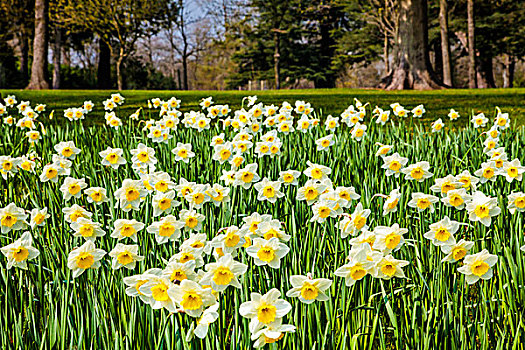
(45, 308)
(327, 101)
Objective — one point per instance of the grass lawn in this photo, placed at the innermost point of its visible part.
(328, 101)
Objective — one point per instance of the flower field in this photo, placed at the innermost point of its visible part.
(267, 225)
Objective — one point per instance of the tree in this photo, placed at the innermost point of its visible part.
(119, 23)
(412, 69)
(40, 43)
(445, 45)
(472, 82)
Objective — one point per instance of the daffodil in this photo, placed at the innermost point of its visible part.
(167, 229)
(357, 266)
(87, 229)
(223, 273)
(392, 201)
(383, 149)
(229, 240)
(488, 172)
(358, 132)
(307, 289)
(456, 198)
(389, 238)
(453, 115)
(270, 333)
(516, 202)
(355, 223)
(478, 266)
(125, 256)
(331, 123)
(418, 111)
(191, 219)
(479, 120)
(72, 188)
(51, 172)
(191, 297)
(20, 251)
(469, 181)
(422, 201)
(268, 229)
(389, 267)
(38, 217)
(393, 164)
(87, 256)
(129, 194)
(512, 170)
(316, 171)
(74, 212)
(112, 157)
(268, 190)
(264, 309)
(325, 142)
(124, 228)
(159, 292)
(12, 218)
(418, 171)
(456, 251)
(311, 191)
(267, 252)
(442, 232)
(67, 149)
(97, 195)
(482, 208)
(183, 152)
(177, 272)
(246, 176)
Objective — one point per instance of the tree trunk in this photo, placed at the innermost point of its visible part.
(276, 58)
(24, 56)
(412, 69)
(185, 71)
(104, 66)
(120, 79)
(472, 82)
(445, 46)
(485, 76)
(57, 51)
(39, 67)
(385, 55)
(438, 60)
(508, 71)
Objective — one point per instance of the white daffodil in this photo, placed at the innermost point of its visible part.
(268, 190)
(456, 251)
(393, 164)
(112, 157)
(307, 289)
(478, 266)
(125, 256)
(418, 171)
(192, 298)
(87, 229)
(267, 252)
(167, 229)
(12, 218)
(264, 309)
(389, 238)
(456, 198)
(422, 201)
(20, 251)
(223, 273)
(87, 256)
(442, 232)
(482, 208)
(389, 267)
(124, 228)
(72, 188)
(516, 202)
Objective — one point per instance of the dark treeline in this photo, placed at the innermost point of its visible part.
(254, 44)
